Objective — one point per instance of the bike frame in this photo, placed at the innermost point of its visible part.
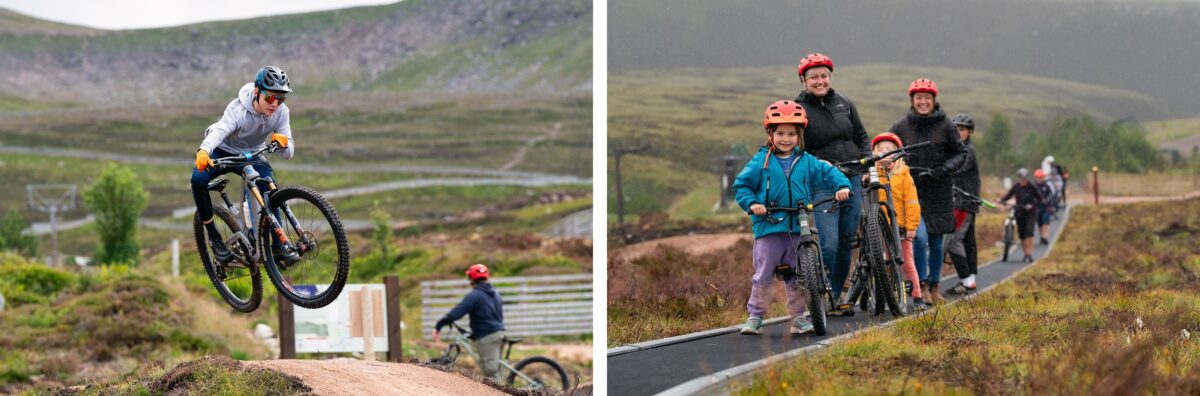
(255, 201)
(461, 339)
(807, 240)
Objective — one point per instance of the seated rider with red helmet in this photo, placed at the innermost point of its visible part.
(486, 311)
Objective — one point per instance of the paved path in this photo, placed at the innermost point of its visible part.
(652, 369)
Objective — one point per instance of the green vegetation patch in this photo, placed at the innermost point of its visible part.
(1110, 311)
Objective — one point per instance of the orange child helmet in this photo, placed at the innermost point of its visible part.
(784, 112)
(477, 271)
(813, 60)
(889, 137)
(922, 85)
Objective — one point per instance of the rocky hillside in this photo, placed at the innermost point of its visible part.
(469, 46)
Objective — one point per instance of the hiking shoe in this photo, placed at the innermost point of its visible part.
(843, 310)
(801, 326)
(1028, 259)
(918, 306)
(1044, 241)
(960, 289)
(753, 326)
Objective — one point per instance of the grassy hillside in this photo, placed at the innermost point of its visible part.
(1086, 41)
(416, 45)
(1110, 311)
(691, 116)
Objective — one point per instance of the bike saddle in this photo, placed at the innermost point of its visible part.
(218, 185)
(513, 340)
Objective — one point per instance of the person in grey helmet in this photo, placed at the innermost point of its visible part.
(255, 116)
(961, 243)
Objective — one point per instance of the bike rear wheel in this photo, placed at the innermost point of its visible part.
(320, 241)
(814, 281)
(543, 372)
(240, 285)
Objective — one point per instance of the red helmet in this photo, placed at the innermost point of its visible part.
(922, 85)
(889, 137)
(785, 112)
(1039, 173)
(813, 60)
(477, 271)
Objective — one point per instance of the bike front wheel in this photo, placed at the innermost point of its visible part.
(1008, 238)
(897, 299)
(312, 226)
(814, 282)
(539, 372)
(239, 284)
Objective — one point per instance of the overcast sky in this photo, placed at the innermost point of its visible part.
(138, 14)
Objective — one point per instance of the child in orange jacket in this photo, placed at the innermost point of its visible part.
(908, 210)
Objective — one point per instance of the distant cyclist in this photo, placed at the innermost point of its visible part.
(1046, 207)
(835, 133)
(961, 245)
(927, 122)
(1028, 200)
(256, 115)
(486, 311)
(781, 174)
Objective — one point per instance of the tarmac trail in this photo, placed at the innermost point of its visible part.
(655, 366)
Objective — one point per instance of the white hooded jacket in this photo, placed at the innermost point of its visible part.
(241, 129)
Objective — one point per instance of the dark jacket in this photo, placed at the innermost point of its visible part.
(966, 177)
(935, 190)
(834, 132)
(1028, 197)
(486, 310)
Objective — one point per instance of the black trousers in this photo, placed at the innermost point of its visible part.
(969, 264)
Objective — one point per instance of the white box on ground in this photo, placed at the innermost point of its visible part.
(338, 327)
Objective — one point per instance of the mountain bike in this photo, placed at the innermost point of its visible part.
(1010, 223)
(534, 373)
(270, 223)
(878, 274)
(810, 268)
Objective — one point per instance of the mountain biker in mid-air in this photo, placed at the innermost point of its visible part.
(961, 245)
(1046, 207)
(835, 133)
(933, 164)
(256, 115)
(1028, 200)
(486, 311)
(782, 174)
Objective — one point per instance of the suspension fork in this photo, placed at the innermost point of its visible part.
(252, 178)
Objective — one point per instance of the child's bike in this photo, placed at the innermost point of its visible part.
(810, 269)
(269, 224)
(533, 373)
(878, 274)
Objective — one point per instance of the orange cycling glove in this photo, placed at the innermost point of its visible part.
(202, 160)
(280, 138)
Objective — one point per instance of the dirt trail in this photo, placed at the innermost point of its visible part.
(357, 377)
(692, 244)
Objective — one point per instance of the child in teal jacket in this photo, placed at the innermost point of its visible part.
(781, 174)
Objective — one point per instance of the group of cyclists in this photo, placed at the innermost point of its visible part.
(1037, 202)
(821, 127)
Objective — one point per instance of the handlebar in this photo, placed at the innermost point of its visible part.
(806, 207)
(981, 201)
(871, 160)
(246, 158)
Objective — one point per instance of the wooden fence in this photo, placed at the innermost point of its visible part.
(1128, 184)
(533, 305)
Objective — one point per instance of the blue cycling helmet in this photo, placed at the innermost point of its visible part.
(272, 78)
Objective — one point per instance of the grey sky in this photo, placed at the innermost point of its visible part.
(138, 14)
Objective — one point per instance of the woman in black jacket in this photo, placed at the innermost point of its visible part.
(834, 134)
(932, 165)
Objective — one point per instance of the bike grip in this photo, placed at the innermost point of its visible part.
(987, 204)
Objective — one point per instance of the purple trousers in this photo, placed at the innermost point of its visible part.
(769, 251)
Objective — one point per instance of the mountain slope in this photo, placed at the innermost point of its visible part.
(1135, 45)
(463, 46)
